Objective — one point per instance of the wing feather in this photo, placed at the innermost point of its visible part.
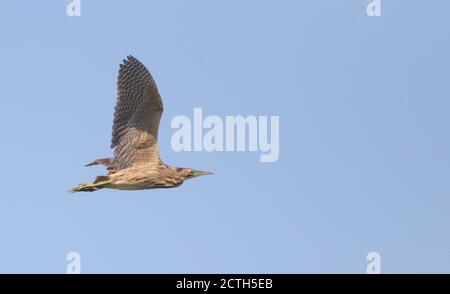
(136, 117)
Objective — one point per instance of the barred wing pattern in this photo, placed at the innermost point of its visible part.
(136, 118)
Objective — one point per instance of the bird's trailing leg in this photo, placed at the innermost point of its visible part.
(84, 187)
(99, 183)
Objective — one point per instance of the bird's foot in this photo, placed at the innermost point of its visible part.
(84, 188)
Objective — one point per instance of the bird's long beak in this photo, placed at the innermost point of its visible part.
(196, 173)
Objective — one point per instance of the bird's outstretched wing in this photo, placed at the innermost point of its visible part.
(136, 118)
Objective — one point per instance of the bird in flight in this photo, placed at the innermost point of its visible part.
(136, 164)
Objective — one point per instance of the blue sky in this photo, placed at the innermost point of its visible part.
(364, 159)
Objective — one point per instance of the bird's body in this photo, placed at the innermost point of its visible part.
(136, 164)
(139, 178)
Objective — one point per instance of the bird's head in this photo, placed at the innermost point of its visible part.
(195, 173)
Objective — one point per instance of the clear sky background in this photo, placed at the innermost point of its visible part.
(364, 162)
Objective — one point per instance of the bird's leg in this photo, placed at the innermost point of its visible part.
(86, 187)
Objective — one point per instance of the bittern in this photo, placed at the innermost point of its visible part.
(136, 164)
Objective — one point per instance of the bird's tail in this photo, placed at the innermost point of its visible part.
(103, 161)
(99, 183)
